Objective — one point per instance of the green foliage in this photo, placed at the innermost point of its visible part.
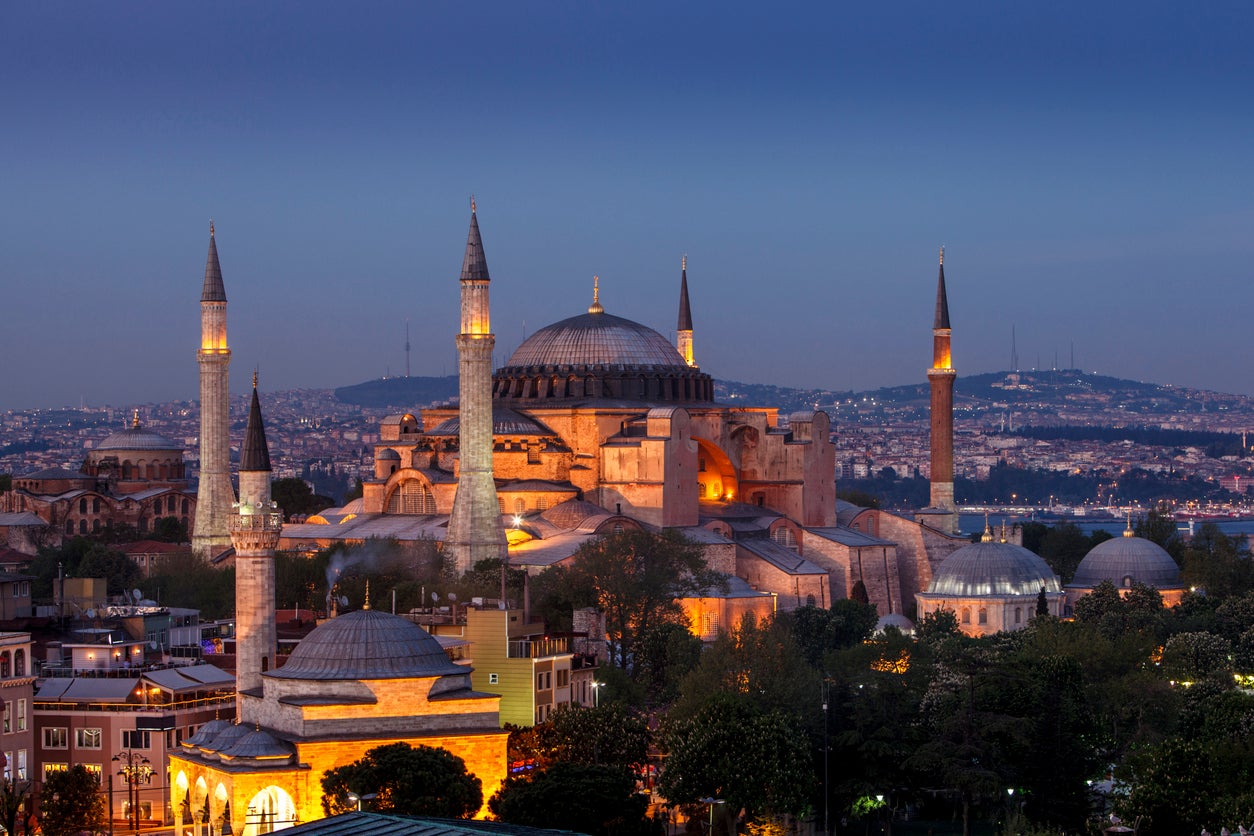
(1217, 563)
(82, 557)
(937, 626)
(1176, 788)
(187, 580)
(169, 530)
(634, 578)
(860, 498)
(1159, 526)
(1112, 614)
(294, 496)
(667, 653)
(71, 802)
(732, 749)
(818, 631)
(760, 663)
(1190, 657)
(1064, 546)
(410, 780)
(6, 482)
(562, 797)
(609, 734)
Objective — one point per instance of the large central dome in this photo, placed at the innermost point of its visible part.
(596, 338)
(368, 644)
(601, 357)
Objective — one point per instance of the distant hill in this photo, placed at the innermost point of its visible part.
(1028, 391)
(399, 392)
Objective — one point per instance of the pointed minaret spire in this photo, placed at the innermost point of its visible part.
(254, 453)
(214, 290)
(942, 300)
(475, 264)
(683, 333)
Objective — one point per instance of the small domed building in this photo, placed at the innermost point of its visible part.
(991, 586)
(361, 680)
(1125, 561)
(134, 477)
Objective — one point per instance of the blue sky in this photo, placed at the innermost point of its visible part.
(1087, 166)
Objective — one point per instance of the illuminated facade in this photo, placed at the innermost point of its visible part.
(211, 532)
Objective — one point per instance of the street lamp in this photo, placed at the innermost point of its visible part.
(356, 799)
(711, 801)
(136, 769)
(596, 693)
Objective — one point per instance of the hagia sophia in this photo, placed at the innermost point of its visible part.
(595, 424)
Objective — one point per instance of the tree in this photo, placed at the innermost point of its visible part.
(71, 802)
(562, 797)
(12, 794)
(818, 631)
(1042, 603)
(937, 626)
(1189, 657)
(609, 734)
(169, 530)
(635, 577)
(731, 749)
(667, 653)
(294, 496)
(411, 780)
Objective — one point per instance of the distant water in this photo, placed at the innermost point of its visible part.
(972, 523)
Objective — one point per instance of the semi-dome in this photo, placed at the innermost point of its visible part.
(991, 568)
(596, 338)
(1127, 560)
(367, 644)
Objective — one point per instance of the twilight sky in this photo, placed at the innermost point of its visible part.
(1088, 166)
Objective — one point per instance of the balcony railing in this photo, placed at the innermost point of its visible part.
(538, 648)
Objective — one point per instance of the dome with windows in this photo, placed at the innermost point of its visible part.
(368, 644)
(138, 438)
(994, 569)
(600, 356)
(1127, 560)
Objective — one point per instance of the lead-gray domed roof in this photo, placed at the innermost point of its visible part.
(991, 568)
(596, 339)
(138, 438)
(367, 644)
(1130, 559)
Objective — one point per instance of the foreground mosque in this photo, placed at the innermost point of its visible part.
(597, 424)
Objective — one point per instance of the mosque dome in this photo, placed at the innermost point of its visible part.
(387, 454)
(137, 438)
(206, 733)
(993, 569)
(896, 620)
(367, 644)
(1127, 560)
(596, 338)
(600, 356)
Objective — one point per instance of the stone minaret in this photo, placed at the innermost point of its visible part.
(683, 340)
(474, 528)
(941, 376)
(255, 529)
(211, 533)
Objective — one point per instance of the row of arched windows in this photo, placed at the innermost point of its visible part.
(13, 664)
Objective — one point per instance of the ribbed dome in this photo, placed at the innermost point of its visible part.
(1133, 558)
(897, 620)
(993, 569)
(138, 438)
(257, 744)
(596, 339)
(206, 733)
(367, 644)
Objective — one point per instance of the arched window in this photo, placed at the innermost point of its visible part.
(412, 497)
(811, 601)
(82, 505)
(966, 615)
(19, 662)
(520, 505)
(4, 666)
(983, 616)
(785, 537)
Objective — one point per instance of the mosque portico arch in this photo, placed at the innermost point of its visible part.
(716, 476)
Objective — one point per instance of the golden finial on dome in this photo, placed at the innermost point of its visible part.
(1003, 531)
(595, 307)
(987, 537)
(135, 420)
(1128, 532)
(366, 604)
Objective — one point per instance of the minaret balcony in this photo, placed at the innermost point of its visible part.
(256, 518)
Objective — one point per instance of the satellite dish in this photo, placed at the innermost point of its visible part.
(136, 594)
(452, 596)
(152, 645)
(435, 596)
(90, 613)
(343, 600)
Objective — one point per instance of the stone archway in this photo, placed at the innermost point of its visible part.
(269, 810)
(716, 476)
